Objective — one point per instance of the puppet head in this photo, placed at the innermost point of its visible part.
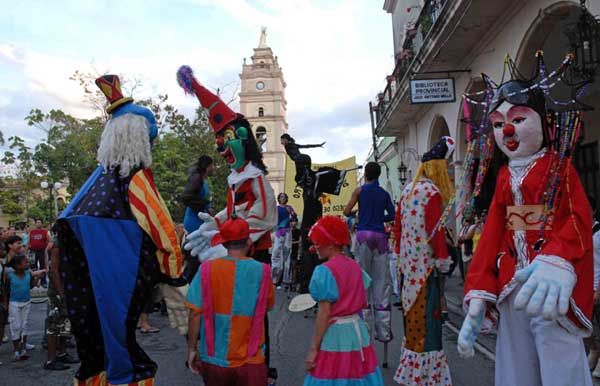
(128, 134)
(517, 115)
(234, 138)
(434, 165)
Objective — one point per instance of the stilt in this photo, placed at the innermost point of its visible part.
(385, 355)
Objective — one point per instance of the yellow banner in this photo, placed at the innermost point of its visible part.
(332, 205)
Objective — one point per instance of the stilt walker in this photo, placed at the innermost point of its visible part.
(117, 242)
(250, 194)
(423, 254)
(375, 208)
(532, 274)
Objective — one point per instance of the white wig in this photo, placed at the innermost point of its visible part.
(125, 143)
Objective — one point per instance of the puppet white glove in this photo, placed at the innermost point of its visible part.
(471, 327)
(443, 264)
(548, 285)
(198, 242)
(178, 312)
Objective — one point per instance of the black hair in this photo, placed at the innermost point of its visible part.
(372, 171)
(235, 244)
(17, 259)
(12, 240)
(253, 152)
(287, 136)
(204, 161)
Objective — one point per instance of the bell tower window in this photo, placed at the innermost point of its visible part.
(261, 112)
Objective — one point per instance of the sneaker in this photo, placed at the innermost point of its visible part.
(55, 365)
(67, 358)
(29, 346)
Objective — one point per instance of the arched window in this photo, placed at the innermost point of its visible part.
(261, 137)
(261, 112)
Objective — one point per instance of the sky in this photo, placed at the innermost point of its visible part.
(335, 55)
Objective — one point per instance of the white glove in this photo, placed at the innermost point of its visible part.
(443, 264)
(471, 327)
(178, 312)
(198, 242)
(548, 285)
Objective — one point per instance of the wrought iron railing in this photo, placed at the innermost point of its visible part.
(415, 40)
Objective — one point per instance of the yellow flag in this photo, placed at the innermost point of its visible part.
(332, 205)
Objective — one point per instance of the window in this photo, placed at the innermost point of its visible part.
(261, 112)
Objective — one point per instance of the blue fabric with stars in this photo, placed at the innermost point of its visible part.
(109, 268)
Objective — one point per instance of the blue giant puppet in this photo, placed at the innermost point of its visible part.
(117, 241)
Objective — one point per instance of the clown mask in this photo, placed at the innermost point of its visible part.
(231, 145)
(517, 130)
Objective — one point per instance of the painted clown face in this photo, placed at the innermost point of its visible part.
(231, 146)
(517, 130)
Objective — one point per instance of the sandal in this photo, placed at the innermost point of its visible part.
(151, 330)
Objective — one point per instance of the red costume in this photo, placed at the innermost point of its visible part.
(490, 275)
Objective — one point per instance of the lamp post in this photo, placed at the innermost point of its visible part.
(584, 39)
(53, 193)
(403, 169)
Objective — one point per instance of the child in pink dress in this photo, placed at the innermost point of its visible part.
(341, 352)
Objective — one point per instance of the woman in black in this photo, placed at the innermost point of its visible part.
(302, 161)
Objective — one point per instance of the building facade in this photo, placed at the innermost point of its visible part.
(262, 101)
(463, 39)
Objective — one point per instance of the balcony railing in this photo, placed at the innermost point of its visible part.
(414, 41)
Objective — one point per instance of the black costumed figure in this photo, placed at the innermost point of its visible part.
(314, 184)
(250, 195)
(117, 242)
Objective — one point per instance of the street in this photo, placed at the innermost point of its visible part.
(291, 334)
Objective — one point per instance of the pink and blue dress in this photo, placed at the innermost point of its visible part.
(346, 356)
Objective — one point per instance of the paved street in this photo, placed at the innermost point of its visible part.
(291, 336)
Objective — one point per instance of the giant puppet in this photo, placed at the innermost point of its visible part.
(117, 241)
(422, 255)
(532, 274)
(250, 195)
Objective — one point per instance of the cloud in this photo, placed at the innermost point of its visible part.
(335, 55)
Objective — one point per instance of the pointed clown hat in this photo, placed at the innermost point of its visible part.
(442, 150)
(219, 114)
(110, 85)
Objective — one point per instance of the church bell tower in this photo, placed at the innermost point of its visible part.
(262, 102)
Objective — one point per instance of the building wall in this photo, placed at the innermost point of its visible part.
(510, 34)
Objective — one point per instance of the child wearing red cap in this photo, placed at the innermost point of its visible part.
(231, 296)
(341, 349)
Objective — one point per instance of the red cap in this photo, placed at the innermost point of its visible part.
(329, 230)
(219, 114)
(233, 229)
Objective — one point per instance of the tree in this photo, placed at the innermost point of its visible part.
(26, 180)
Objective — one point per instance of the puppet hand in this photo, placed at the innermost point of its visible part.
(213, 253)
(548, 284)
(443, 264)
(471, 327)
(322, 144)
(198, 242)
(178, 312)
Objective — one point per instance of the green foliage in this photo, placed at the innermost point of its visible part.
(67, 154)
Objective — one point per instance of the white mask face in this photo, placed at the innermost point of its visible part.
(517, 130)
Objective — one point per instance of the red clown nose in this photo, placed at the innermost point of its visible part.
(509, 130)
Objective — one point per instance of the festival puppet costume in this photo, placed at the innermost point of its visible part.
(117, 241)
(533, 271)
(422, 255)
(250, 195)
(282, 246)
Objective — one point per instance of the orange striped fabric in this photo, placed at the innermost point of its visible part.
(153, 217)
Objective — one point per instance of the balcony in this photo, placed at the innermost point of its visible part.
(414, 41)
(446, 34)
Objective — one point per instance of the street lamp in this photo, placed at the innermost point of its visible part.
(403, 169)
(53, 193)
(584, 39)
